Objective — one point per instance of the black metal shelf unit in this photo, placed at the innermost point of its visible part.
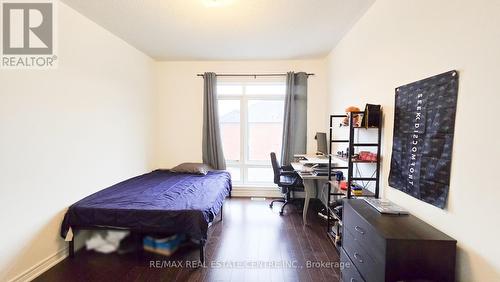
(335, 235)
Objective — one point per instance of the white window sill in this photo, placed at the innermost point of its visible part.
(255, 186)
(256, 191)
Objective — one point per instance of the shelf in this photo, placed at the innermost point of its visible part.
(355, 144)
(354, 161)
(360, 127)
(335, 190)
(364, 178)
(366, 144)
(339, 141)
(347, 162)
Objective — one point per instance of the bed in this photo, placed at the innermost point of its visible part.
(157, 202)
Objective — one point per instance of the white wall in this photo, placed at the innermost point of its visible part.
(180, 103)
(66, 133)
(400, 41)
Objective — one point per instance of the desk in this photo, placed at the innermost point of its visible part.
(314, 160)
(311, 159)
(311, 184)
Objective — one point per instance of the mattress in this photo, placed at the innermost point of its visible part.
(160, 201)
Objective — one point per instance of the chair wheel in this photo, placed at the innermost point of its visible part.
(271, 205)
(281, 213)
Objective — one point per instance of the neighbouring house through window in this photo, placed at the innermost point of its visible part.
(251, 122)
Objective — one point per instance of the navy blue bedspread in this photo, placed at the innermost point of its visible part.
(160, 201)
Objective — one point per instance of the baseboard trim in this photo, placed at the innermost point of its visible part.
(42, 266)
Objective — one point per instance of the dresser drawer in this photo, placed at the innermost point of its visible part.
(349, 273)
(369, 268)
(364, 233)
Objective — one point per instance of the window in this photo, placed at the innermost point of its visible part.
(251, 122)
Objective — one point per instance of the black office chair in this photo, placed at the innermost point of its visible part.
(288, 181)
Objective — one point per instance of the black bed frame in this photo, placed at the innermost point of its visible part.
(201, 244)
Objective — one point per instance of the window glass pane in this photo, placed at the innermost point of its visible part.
(229, 111)
(265, 111)
(260, 174)
(235, 173)
(264, 129)
(228, 89)
(266, 89)
(264, 138)
(229, 119)
(230, 135)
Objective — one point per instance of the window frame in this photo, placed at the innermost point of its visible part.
(245, 163)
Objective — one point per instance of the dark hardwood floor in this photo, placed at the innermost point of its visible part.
(252, 243)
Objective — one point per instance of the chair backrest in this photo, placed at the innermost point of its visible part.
(276, 168)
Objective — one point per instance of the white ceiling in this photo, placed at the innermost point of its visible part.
(233, 30)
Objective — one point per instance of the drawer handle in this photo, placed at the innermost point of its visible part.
(359, 229)
(358, 257)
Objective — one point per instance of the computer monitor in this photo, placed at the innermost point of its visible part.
(321, 142)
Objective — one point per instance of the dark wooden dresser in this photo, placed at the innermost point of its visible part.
(380, 247)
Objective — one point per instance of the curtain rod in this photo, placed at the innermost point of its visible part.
(251, 74)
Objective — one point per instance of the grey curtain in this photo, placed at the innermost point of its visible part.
(295, 121)
(212, 143)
